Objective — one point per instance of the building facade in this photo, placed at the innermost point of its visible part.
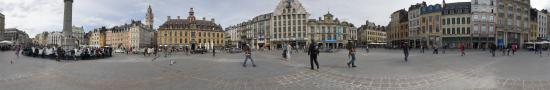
(234, 35)
(429, 34)
(398, 28)
(289, 24)
(41, 39)
(413, 17)
(371, 34)
(2, 25)
(533, 33)
(97, 37)
(512, 21)
(254, 32)
(483, 23)
(133, 35)
(457, 24)
(542, 22)
(17, 36)
(180, 33)
(55, 38)
(331, 32)
(78, 35)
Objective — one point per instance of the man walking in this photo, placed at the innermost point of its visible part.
(248, 55)
(405, 50)
(351, 54)
(213, 52)
(493, 49)
(313, 52)
(436, 49)
(421, 48)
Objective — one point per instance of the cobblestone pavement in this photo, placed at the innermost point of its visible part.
(380, 69)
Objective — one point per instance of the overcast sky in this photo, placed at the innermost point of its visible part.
(35, 16)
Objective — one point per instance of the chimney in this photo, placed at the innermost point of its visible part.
(213, 20)
(204, 18)
(169, 18)
(178, 17)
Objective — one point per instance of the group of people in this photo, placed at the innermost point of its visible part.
(406, 48)
(59, 53)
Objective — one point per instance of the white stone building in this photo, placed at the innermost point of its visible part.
(289, 25)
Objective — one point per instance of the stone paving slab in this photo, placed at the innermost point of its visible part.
(378, 70)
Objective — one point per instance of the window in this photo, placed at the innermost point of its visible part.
(468, 30)
(443, 21)
(454, 21)
(463, 30)
(468, 20)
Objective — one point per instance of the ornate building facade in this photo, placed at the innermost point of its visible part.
(190, 32)
(331, 32)
(289, 24)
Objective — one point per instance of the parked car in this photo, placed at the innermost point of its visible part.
(199, 50)
(236, 50)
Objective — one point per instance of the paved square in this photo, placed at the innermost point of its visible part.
(381, 69)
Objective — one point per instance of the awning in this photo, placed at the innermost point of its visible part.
(6, 42)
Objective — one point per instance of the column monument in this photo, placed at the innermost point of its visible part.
(68, 42)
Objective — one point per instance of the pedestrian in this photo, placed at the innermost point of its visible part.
(436, 49)
(284, 54)
(248, 55)
(510, 48)
(144, 52)
(289, 50)
(461, 47)
(17, 52)
(493, 49)
(539, 50)
(445, 48)
(405, 50)
(351, 54)
(187, 50)
(514, 48)
(422, 48)
(367, 48)
(214, 52)
(313, 52)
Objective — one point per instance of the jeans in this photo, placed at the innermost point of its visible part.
(251, 60)
(406, 56)
(313, 61)
(352, 61)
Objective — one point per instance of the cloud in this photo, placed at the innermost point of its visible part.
(35, 16)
